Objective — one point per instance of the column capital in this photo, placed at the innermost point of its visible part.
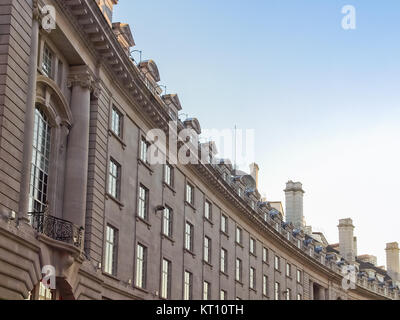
(36, 13)
(82, 76)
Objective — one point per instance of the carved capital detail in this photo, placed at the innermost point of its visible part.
(36, 13)
(82, 76)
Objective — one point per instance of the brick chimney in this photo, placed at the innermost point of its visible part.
(294, 204)
(392, 260)
(254, 170)
(346, 240)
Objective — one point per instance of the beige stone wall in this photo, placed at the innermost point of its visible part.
(15, 29)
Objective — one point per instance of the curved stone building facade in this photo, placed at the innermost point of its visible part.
(77, 192)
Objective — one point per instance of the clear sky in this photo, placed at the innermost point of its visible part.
(324, 102)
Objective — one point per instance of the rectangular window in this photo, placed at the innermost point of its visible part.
(299, 244)
(206, 290)
(224, 261)
(189, 237)
(252, 246)
(168, 175)
(265, 255)
(298, 276)
(240, 192)
(116, 122)
(114, 179)
(288, 270)
(277, 291)
(47, 62)
(141, 266)
(207, 249)
(238, 235)
(165, 279)
(224, 223)
(143, 203)
(189, 194)
(208, 210)
(238, 270)
(222, 295)
(167, 222)
(40, 163)
(188, 286)
(111, 252)
(144, 146)
(299, 297)
(289, 294)
(277, 263)
(265, 285)
(252, 278)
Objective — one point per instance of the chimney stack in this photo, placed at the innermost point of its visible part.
(392, 260)
(106, 6)
(346, 240)
(254, 170)
(294, 204)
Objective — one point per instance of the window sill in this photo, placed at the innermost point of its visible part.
(225, 234)
(266, 263)
(208, 264)
(239, 282)
(239, 245)
(113, 134)
(224, 274)
(141, 289)
(163, 236)
(139, 219)
(209, 221)
(190, 205)
(118, 202)
(253, 290)
(190, 252)
(166, 185)
(106, 274)
(146, 165)
(253, 255)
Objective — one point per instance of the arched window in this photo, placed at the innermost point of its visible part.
(40, 163)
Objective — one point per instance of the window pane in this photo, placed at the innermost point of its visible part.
(111, 251)
(40, 163)
(142, 203)
(47, 62)
(116, 122)
(141, 257)
(165, 279)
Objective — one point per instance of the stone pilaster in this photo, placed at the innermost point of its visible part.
(29, 117)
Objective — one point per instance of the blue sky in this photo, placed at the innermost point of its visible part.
(324, 102)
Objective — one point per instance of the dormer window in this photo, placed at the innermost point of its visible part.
(47, 62)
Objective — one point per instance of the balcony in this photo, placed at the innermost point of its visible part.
(57, 229)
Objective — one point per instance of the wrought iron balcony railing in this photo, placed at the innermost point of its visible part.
(57, 229)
